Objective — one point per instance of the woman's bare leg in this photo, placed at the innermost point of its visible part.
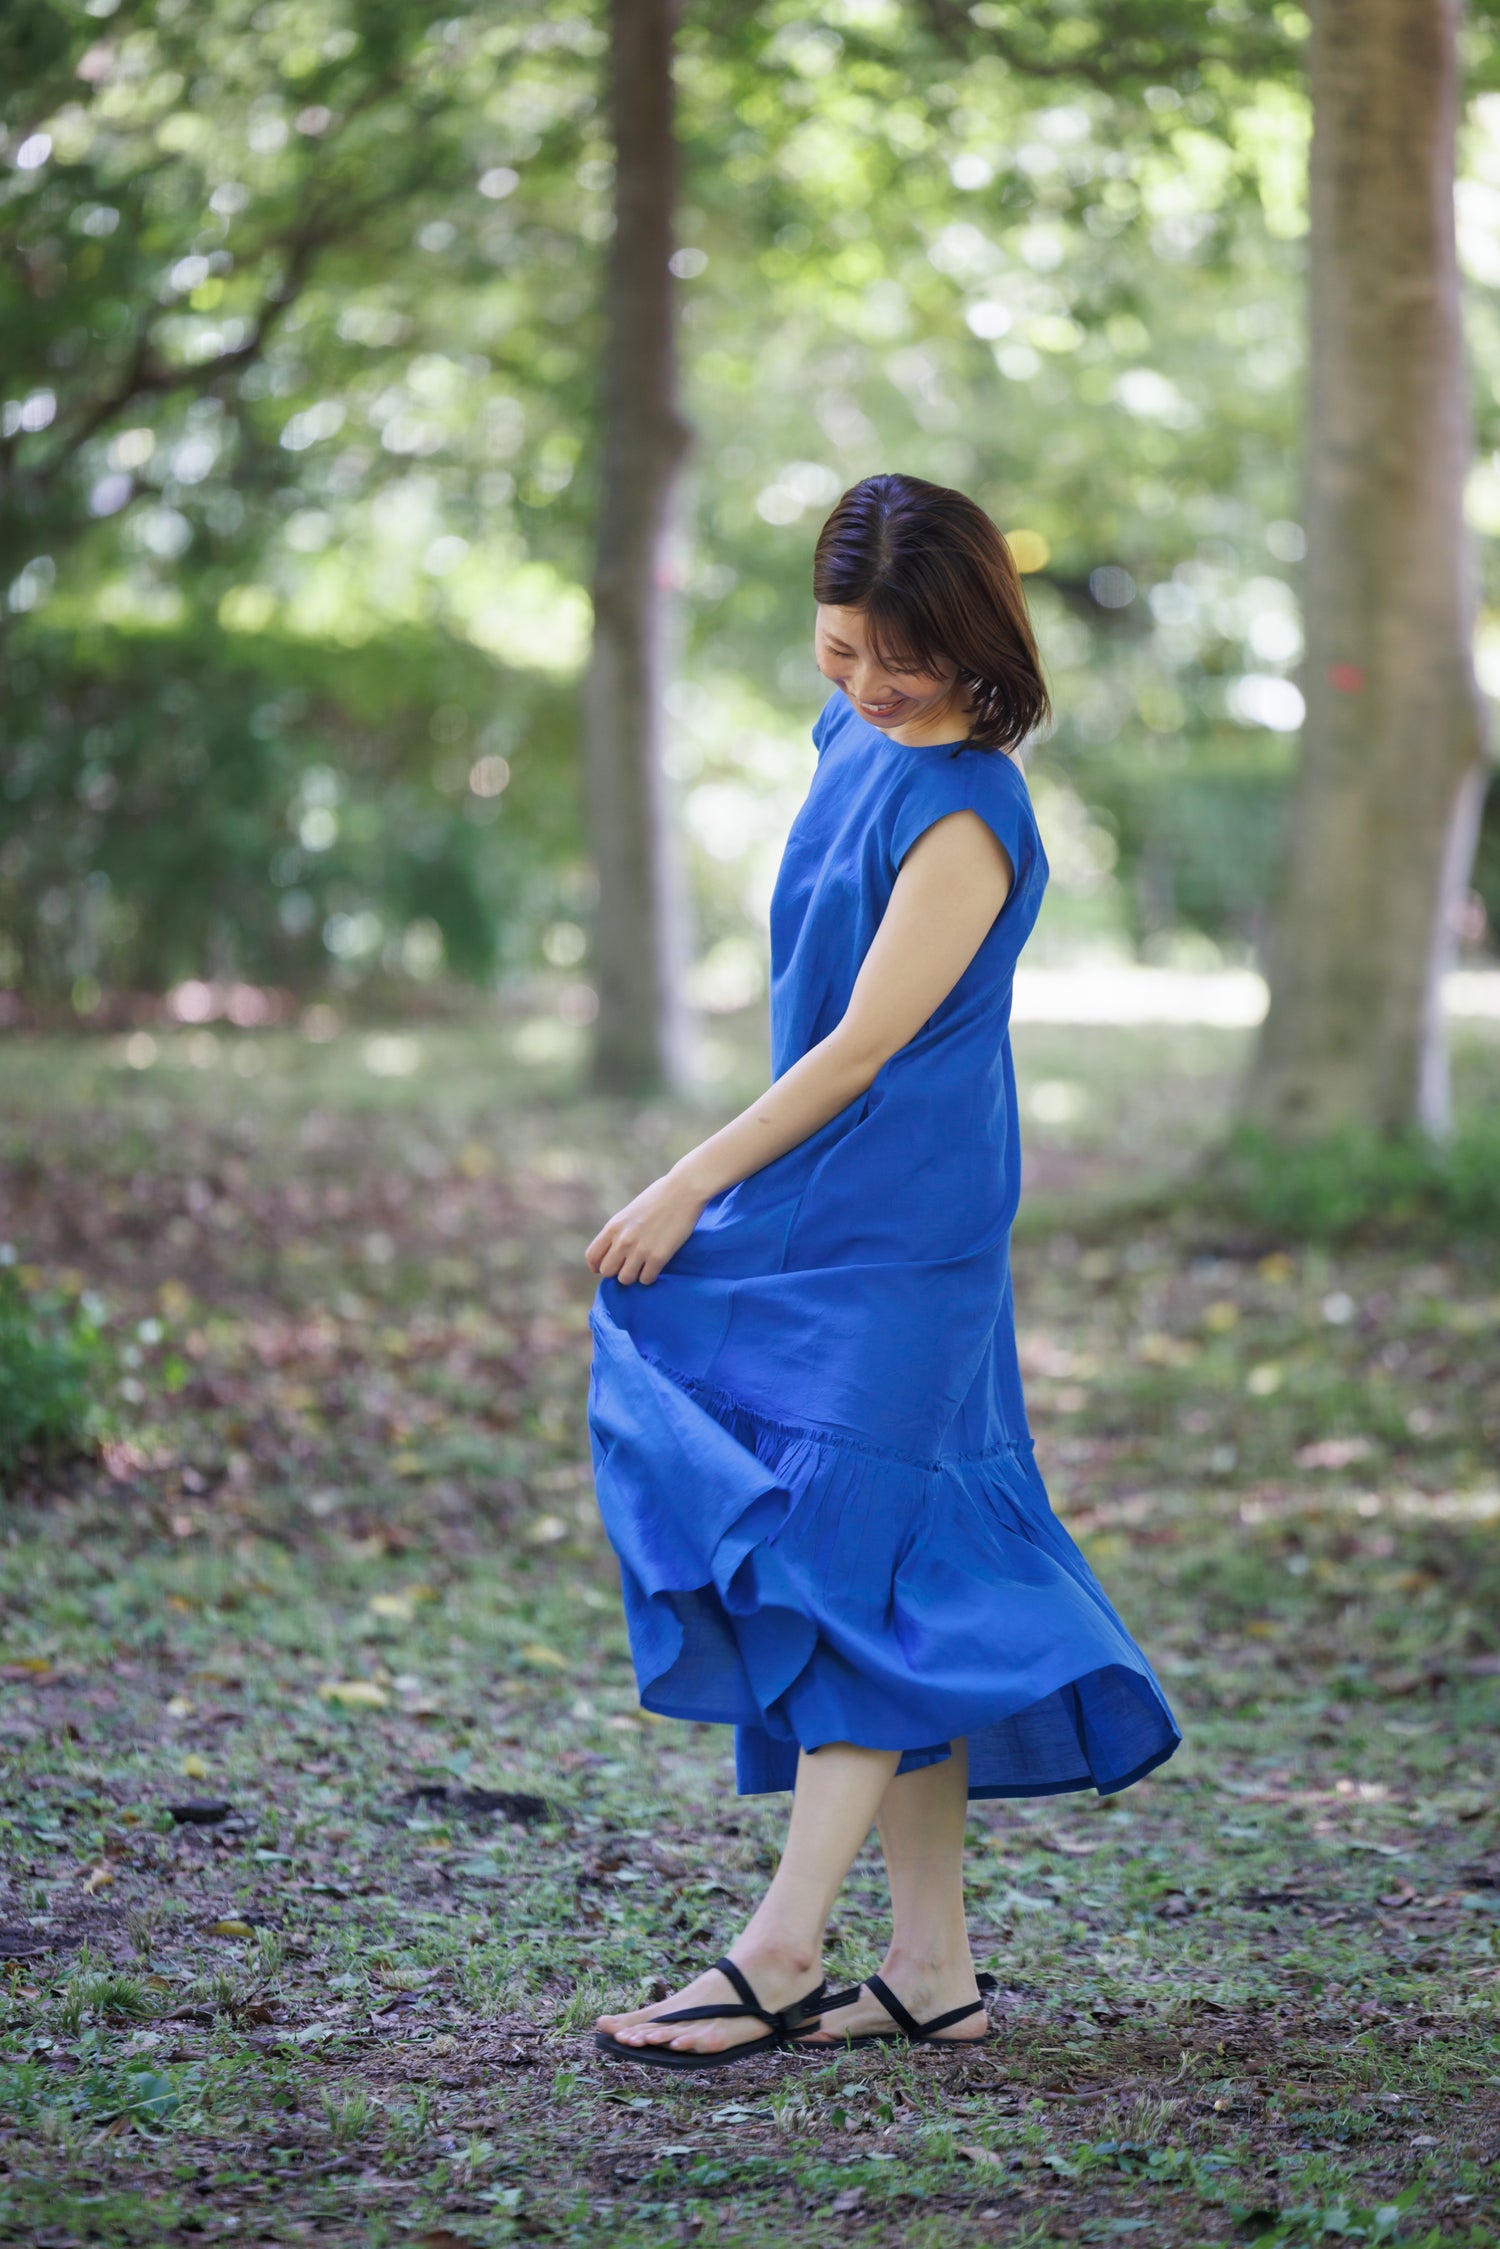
(928, 1965)
(781, 1951)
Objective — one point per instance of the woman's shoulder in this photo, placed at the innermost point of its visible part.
(832, 720)
(991, 783)
(958, 773)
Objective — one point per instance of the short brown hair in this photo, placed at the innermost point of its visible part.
(937, 584)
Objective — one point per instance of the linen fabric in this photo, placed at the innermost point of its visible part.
(809, 1438)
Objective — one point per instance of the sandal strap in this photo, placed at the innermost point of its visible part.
(903, 2020)
(741, 1983)
(800, 2015)
(907, 2023)
(954, 2015)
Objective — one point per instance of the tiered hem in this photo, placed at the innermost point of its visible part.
(808, 1588)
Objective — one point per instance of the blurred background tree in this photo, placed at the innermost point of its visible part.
(304, 327)
(283, 629)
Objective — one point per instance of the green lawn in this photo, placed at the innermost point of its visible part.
(337, 1564)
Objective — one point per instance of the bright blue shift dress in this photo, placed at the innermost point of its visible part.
(809, 1440)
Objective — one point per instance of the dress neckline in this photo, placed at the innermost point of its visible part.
(915, 749)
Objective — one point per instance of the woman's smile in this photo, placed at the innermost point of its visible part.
(928, 709)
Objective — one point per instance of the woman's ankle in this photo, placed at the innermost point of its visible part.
(939, 1959)
(791, 1952)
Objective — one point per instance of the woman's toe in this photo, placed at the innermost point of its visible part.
(621, 2021)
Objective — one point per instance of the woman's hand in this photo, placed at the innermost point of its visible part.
(636, 1243)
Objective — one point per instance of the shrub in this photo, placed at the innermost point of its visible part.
(49, 1348)
(1359, 1185)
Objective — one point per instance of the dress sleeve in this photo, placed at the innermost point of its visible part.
(828, 720)
(983, 781)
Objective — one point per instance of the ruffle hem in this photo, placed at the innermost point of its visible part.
(807, 1588)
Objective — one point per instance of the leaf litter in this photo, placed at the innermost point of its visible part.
(1254, 1998)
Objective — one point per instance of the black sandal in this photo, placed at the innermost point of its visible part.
(908, 2031)
(785, 2023)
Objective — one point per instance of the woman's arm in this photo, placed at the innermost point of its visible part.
(951, 885)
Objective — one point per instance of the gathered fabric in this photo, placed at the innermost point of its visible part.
(809, 1437)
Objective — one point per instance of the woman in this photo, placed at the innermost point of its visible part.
(809, 1440)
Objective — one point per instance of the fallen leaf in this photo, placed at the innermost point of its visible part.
(354, 1694)
(395, 1605)
(973, 2153)
(98, 1878)
(1334, 1452)
(201, 1811)
(231, 1929)
(481, 1803)
(179, 1707)
(194, 1767)
(537, 1651)
(20, 1667)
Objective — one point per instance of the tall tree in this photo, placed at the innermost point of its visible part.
(1385, 808)
(641, 1035)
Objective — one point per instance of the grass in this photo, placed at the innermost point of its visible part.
(335, 1564)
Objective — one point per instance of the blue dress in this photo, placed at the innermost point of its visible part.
(809, 1441)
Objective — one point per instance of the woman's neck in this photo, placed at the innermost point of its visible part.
(935, 728)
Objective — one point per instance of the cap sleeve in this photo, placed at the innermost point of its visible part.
(984, 781)
(829, 719)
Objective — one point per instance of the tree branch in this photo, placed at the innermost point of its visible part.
(147, 376)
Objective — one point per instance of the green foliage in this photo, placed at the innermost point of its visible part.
(251, 807)
(265, 361)
(1198, 846)
(50, 1350)
(1337, 2221)
(1360, 1186)
(300, 321)
(134, 2093)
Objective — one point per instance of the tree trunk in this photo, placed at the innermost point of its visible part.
(641, 1031)
(1385, 808)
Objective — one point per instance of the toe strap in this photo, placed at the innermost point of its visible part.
(802, 2014)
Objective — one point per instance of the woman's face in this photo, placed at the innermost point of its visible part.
(888, 696)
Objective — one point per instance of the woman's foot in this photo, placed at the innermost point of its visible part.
(924, 1991)
(777, 1979)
